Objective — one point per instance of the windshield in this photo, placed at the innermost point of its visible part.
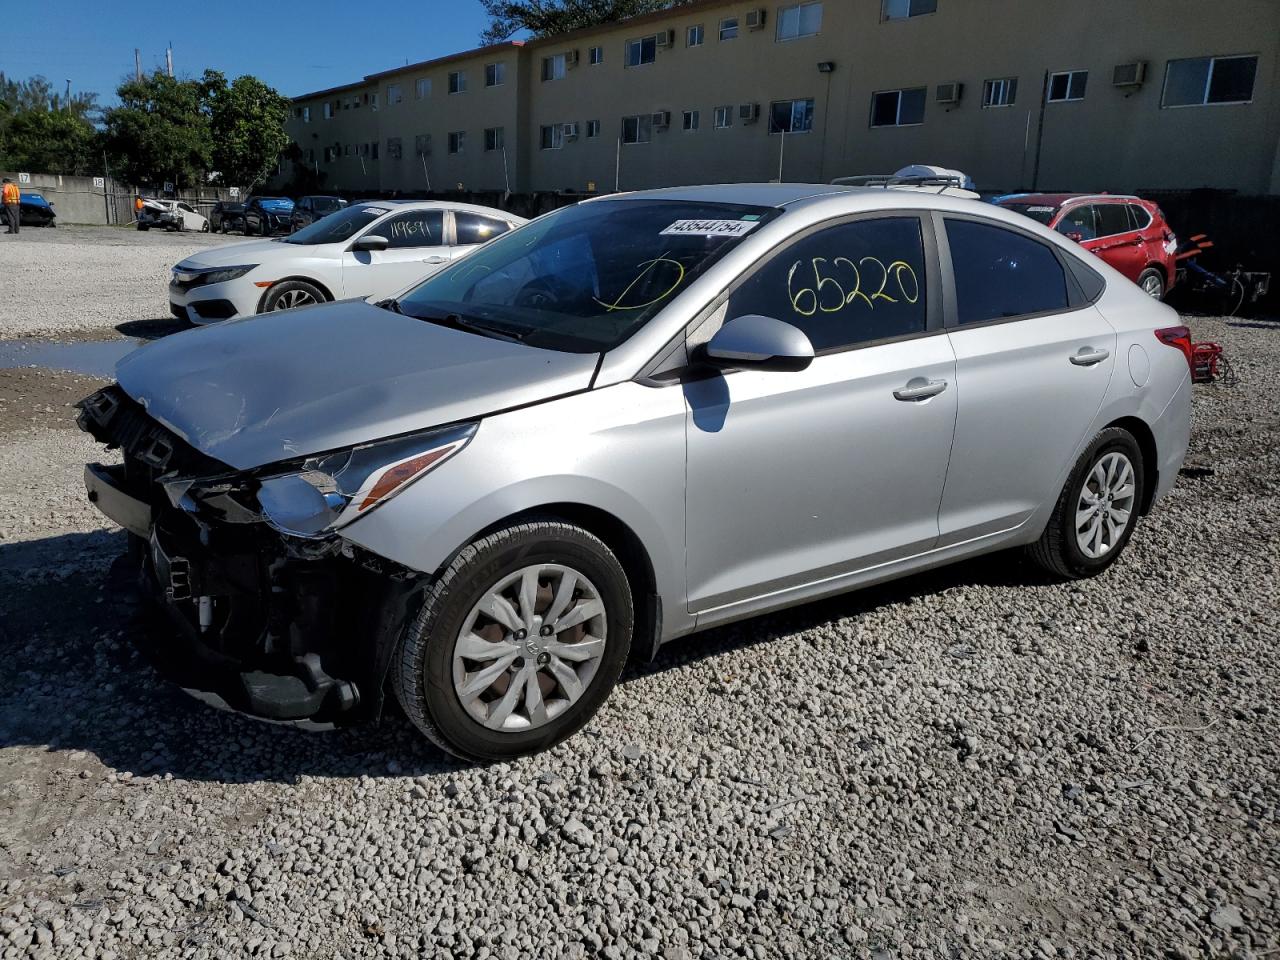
(276, 203)
(586, 277)
(1041, 212)
(339, 226)
(325, 204)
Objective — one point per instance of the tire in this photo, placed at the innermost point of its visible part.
(1151, 281)
(1066, 550)
(290, 295)
(204, 227)
(143, 227)
(430, 677)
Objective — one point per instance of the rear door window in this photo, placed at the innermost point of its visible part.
(1112, 219)
(844, 285)
(474, 228)
(1139, 218)
(1078, 223)
(418, 228)
(1001, 274)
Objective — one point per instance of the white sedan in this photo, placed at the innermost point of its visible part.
(369, 250)
(171, 215)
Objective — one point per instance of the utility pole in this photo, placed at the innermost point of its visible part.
(168, 59)
(67, 101)
(137, 64)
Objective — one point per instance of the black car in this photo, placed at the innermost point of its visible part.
(310, 209)
(226, 215)
(267, 215)
(35, 211)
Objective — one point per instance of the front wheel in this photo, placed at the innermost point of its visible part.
(291, 294)
(518, 643)
(1097, 509)
(204, 227)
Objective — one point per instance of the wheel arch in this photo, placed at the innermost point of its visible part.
(328, 294)
(1150, 456)
(625, 544)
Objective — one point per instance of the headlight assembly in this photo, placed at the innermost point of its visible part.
(323, 493)
(199, 277)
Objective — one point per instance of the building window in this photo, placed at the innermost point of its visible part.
(457, 141)
(593, 129)
(306, 114)
(724, 117)
(595, 55)
(364, 149)
(373, 101)
(1068, 85)
(791, 116)
(393, 148)
(328, 110)
(642, 51)
(348, 150)
(694, 36)
(393, 94)
(728, 28)
(553, 67)
(422, 88)
(799, 20)
(457, 82)
(691, 119)
(422, 144)
(494, 139)
(495, 74)
(1000, 93)
(374, 151)
(902, 9)
(1205, 80)
(898, 108)
(637, 129)
(551, 137)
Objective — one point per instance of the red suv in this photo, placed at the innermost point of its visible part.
(1129, 233)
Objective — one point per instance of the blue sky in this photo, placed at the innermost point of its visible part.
(296, 47)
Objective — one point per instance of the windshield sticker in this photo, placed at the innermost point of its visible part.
(1040, 209)
(379, 211)
(710, 228)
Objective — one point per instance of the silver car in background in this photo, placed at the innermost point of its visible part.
(628, 420)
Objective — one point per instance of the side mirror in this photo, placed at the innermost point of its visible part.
(754, 342)
(370, 241)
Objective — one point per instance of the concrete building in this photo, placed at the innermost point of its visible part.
(1089, 95)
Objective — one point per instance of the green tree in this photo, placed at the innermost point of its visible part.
(160, 131)
(246, 119)
(43, 131)
(543, 18)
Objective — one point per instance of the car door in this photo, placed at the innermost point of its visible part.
(1033, 361)
(472, 229)
(1118, 243)
(415, 250)
(801, 477)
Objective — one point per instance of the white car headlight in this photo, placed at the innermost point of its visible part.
(323, 493)
(199, 277)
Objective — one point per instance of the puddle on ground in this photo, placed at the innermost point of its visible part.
(93, 358)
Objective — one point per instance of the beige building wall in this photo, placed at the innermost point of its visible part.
(1114, 139)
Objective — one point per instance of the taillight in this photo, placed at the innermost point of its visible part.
(1180, 339)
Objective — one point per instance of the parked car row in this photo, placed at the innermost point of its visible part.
(265, 216)
(531, 456)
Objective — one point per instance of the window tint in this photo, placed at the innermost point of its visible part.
(844, 285)
(1112, 219)
(419, 228)
(1139, 219)
(473, 228)
(1078, 223)
(1002, 274)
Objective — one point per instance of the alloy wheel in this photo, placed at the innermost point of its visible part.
(294, 298)
(1106, 505)
(1152, 286)
(529, 648)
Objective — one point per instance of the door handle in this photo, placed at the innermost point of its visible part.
(435, 259)
(1087, 356)
(918, 388)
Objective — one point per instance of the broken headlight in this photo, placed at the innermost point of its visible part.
(325, 492)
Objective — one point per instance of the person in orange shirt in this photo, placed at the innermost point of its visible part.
(12, 197)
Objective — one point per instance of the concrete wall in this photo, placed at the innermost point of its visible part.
(1114, 139)
(74, 199)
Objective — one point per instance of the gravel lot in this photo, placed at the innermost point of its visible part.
(973, 763)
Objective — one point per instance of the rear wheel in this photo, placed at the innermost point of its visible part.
(291, 294)
(1097, 509)
(519, 642)
(1151, 281)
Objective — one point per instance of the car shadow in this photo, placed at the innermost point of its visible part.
(155, 329)
(73, 679)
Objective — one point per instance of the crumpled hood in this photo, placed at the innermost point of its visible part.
(268, 388)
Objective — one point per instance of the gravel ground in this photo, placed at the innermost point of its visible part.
(973, 763)
(78, 281)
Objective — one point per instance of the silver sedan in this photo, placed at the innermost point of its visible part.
(626, 421)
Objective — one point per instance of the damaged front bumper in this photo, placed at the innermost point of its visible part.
(282, 628)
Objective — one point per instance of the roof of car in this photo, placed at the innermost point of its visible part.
(1058, 199)
(753, 194)
(440, 205)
